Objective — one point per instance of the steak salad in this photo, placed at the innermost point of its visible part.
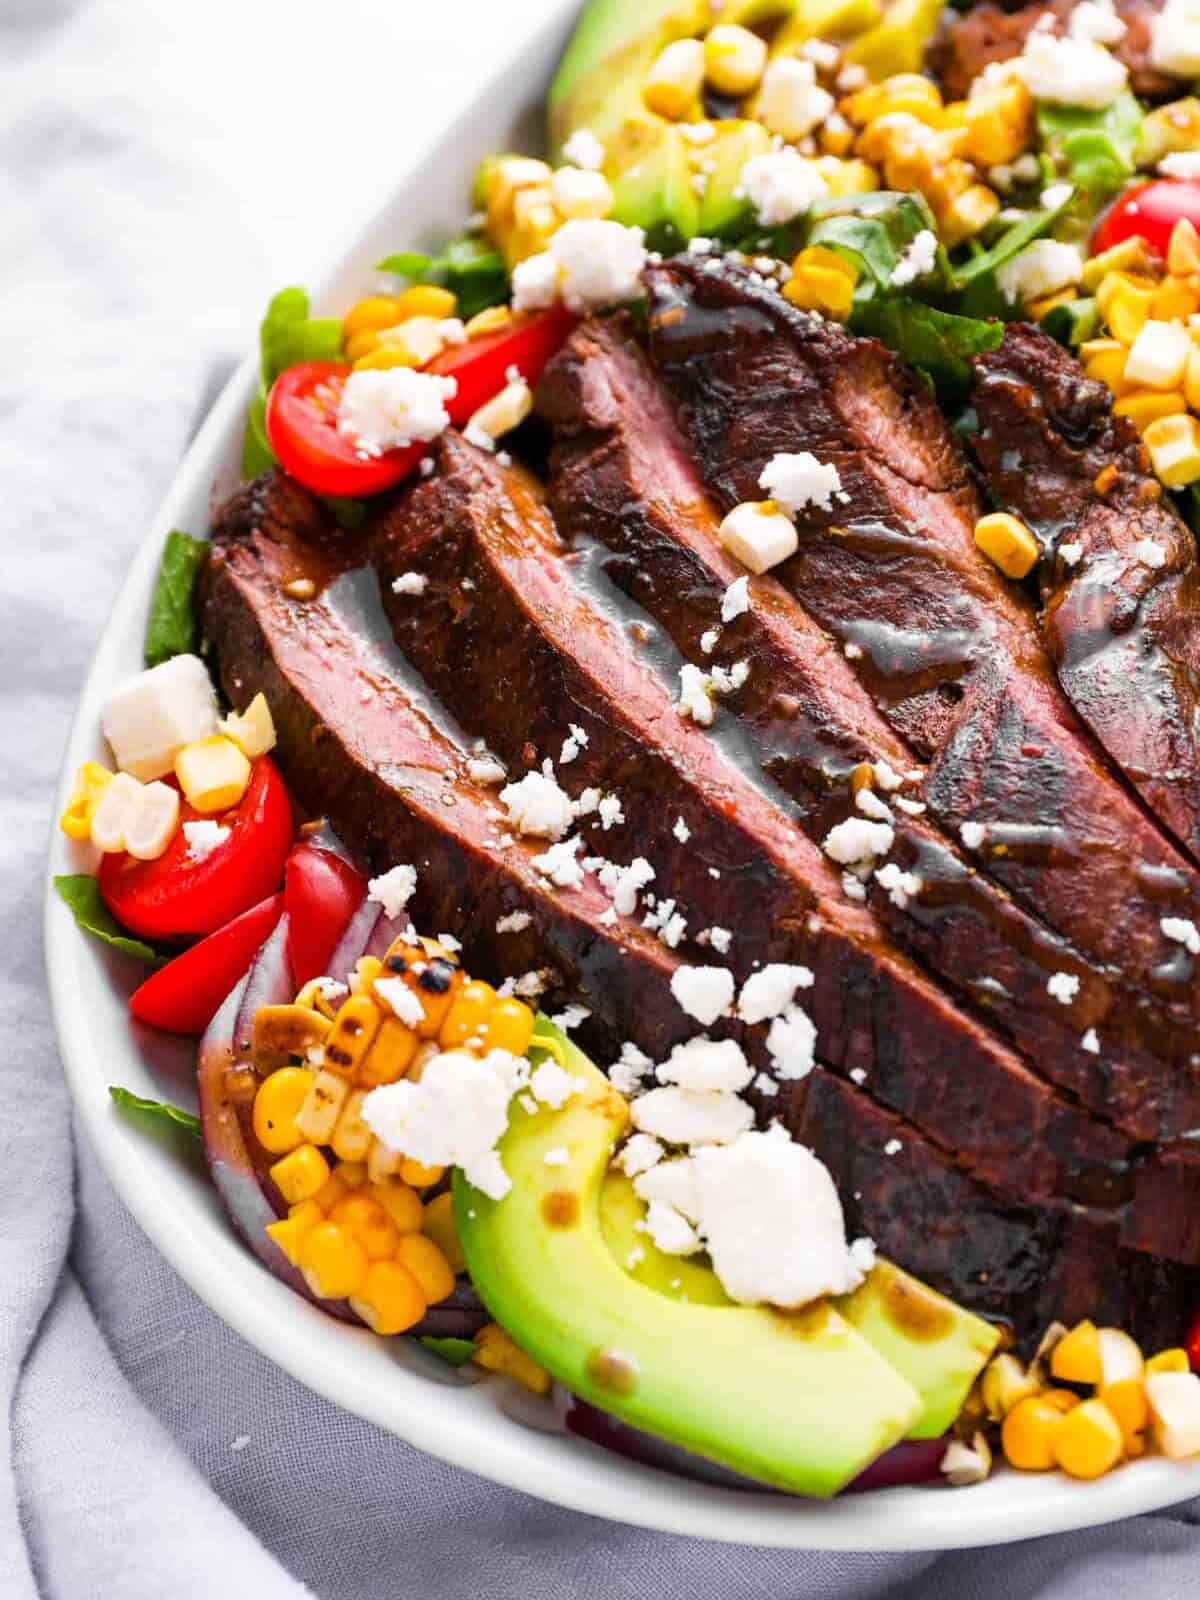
(670, 797)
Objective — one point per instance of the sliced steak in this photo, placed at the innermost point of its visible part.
(622, 475)
(988, 33)
(1119, 577)
(950, 652)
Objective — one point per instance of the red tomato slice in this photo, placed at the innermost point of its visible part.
(173, 897)
(481, 365)
(1150, 211)
(185, 995)
(1193, 1346)
(323, 892)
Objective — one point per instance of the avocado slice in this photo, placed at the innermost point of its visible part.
(724, 212)
(897, 43)
(825, 19)
(649, 167)
(796, 1399)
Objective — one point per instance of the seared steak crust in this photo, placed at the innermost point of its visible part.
(1119, 576)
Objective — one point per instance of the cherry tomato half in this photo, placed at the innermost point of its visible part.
(322, 892)
(185, 995)
(1193, 1346)
(303, 403)
(1149, 211)
(174, 897)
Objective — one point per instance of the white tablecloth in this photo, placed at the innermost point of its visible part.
(163, 168)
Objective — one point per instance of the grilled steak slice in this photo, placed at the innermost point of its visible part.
(512, 645)
(1119, 575)
(622, 476)
(990, 33)
(891, 569)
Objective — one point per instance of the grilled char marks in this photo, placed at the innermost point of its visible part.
(1122, 630)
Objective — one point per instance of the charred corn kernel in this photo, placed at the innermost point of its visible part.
(493, 319)
(419, 1175)
(438, 1224)
(672, 85)
(254, 730)
(332, 1260)
(1088, 1442)
(386, 356)
(847, 177)
(213, 773)
(1174, 1401)
(510, 1026)
(366, 970)
(1076, 1356)
(1183, 249)
(511, 174)
(1045, 304)
(401, 1202)
(1124, 301)
(360, 345)
(904, 92)
(1005, 1384)
(428, 1265)
(1028, 1435)
(1131, 255)
(534, 220)
(1008, 543)
(821, 281)
(966, 214)
(281, 1032)
(334, 1190)
(734, 59)
(1174, 300)
(1174, 446)
(389, 1299)
(351, 1035)
(1063, 1400)
(1144, 406)
(418, 337)
(354, 1173)
(1127, 1402)
(314, 998)
(1000, 123)
(382, 1163)
(467, 1018)
(277, 1107)
(290, 1231)
(1173, 1360)
(322, 1106)
(1191, 381)
(376, 311)
(351, 1138)
(432, 975)
(1104, 360)
(503, 412)
(496, 1352)
(91, 780)
(1167, 129)
(300, 1175)
(369, 1223)
(836, 136)
(391, 1054)
(426, 300)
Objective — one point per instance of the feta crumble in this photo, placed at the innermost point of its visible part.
(917, 260)
(858, 841)
(1063, 986)
(1090, 1042)
(771, 990)
(707, 1065)
(973, 835)
(735, 600)
(401, 1000)
(393, 890)
(797, 479)
(782, 184)
(537, 805)
(1182, 930)
(559, 864)
(1039, 269)
(703, 992)
(681, 830)
(1071, 553)
(901, 886)
(609, 811)
(790, 103)
(410, 583)
(1150, 554)
(688, 1117)
(792, 1044)
(574, 742)
(583, 149)
(1071, 72)
(486, 769)
(695, 695)
(203, 837)
(387, 408)
(589, 263)
(1175, 39)
(514, 922)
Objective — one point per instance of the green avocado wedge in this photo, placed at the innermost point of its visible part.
(799, 1400)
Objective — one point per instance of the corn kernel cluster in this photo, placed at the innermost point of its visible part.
(527, 202)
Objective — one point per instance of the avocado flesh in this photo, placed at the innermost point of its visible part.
(799, 1400)
(897, 43)
(724, 213)
(648, 164)
(825, 19)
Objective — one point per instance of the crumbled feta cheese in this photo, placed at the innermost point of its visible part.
(1071, 553)
(514, 922)
(410, 583)
(570, 1018)
(532, 985)
(387, 408)
(1181, 930)
(402, 1001)
(609, 809)
(625, 883)
(707, 1065)
(535, 283)
(797, 479)
(1071, 72)
(486, 769)
(857, 840)
(703, 992)
(626, 1074)
(781, 184)
(1039, 269)
(973, 835)
(869, 803)
(671, 1233)
(853, 888)
(681, 830)
(911, 808)
(671, 1183)
(1090, 1042)
(583, 149)
(1150, 554)
(720, 939)
(695, 695)
(553, 1085)
(901, 886)
(537, 805)
(638, 1154)
(574, 742)
(917, 260)
(1180, 164)
(558, 864)
(1175, 39)
(790, 102)
(1064, 986)
(1056, 194)
(393, 890)
(791, 1044)
(203, 837)
(686, 1117)
(858, 1075)
(735, 600)
(771, 990)
(1096, 22)
(893, 1147)
(589, 263)
(576, 192)
(758, 535)
(150, 718)
(708, 641)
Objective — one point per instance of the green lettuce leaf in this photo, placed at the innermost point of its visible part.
(80, 892)
(938, 343)
(171, 628)
(975, 280)
(1073, 322)
(1093, 149)
(872, 231)
(287, 336)
(468, 266)
(456, 1352)
(128, 1101)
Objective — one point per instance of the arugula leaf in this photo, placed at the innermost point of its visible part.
(873, 231)
(937, 343)
(80, 892)
(468, 266)
(1096, 148)
(171, 627)
(979, 274)
(128, 1101)
(455, 1352)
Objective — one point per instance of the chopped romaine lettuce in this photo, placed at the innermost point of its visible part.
(80, 892)
(1093, 149)
(171, 628)
(1073, 322)
(975, 281)
(287, 337)
(873, 231)
(469, 267)
(455, 1352)
(938, 343)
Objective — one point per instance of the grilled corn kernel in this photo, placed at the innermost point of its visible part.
(503, 412)
(432, 976)
(999, 123)
(1131, 255)
(1183, 249)
(290, 1231)
(1088, 1442)
(281, 1032)
(821, 281)
(847, 177)
(1045, 304)
(1126, 1400)
(467, 1018)
(351, 1138)
(734, 59)
(361, 345)
(579, 195)
(1076, 1356)
(438, 1224)
(1173, 1360)
(353, 1031)
(91, 780)
(402, 1204)
(1027, 1437)
(967, 214)
(493, 319)
(391, 1053)
(254, 731)
(1191, 381)
(1104, 360)
(419, 1175)
(376, 311)
(1005, 1384)
(366, 970)
(317, 1117)
(496, 1352)
(1174, 300)
(906, 92)
(382, 1163)
(314, 998)
(1145, 406)
(334, 1191)
(1174, 446)
(426, 300)
(510, 1026)
(276, 1108)
(1124, 301)
(428, 1265)
(418, 337)
(369, 1223)
(213, 773)
(672, 85)
(332, 1260)
(1008, 543)
(300, 1175)
(389, 1299)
